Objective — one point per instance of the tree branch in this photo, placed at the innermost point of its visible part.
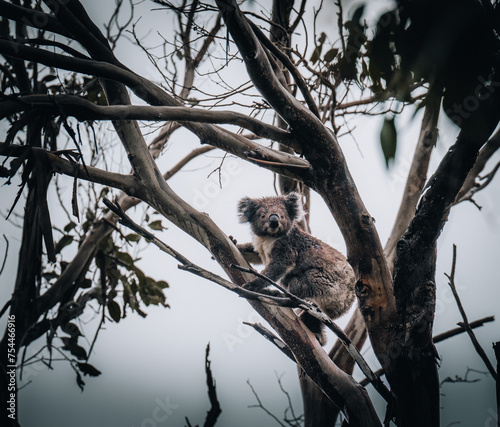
(470, 187)
(417, 175)
(32, 18)
(285, 60)
(267, 334)
(154, 95)
(465, 324)
(126, 183)
(84, 110)
(317, 313)
(215, 409)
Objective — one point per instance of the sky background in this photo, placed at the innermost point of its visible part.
(153, 368)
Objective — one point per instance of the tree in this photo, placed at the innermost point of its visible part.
(420, 53)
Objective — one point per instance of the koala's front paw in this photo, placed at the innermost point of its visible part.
(233, 240)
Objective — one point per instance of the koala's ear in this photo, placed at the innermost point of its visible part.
(293, 204)
(247, 208)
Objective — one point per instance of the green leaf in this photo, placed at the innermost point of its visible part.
(114, 310)
(388, 140)
(49, 78)
(71, 345)
(162, 284)
(156, 225)
(71, 329)
(69, 226)
(65, 241)
(315, 55)
(331, 54)
(107, 244)
(88, 369)
(151, 291)
(104, 192)
(80, 381)
(125, 258)
(318, 49)
(133, 237)
(86, 283)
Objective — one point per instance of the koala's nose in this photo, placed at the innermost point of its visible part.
(274, 221)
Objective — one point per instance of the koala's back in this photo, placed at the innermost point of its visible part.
(319, 272)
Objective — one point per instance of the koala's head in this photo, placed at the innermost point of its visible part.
(271, 216)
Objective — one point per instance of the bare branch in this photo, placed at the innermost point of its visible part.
(193, 154)
(32, 17)
(470, 186)
(442, 337)
(461, 329)
(285, 60)
(417, 175)
(260, 405)
(267, 334)
(84, 110)
(154, 95)
(465, 324)
(123, 182)
(215, 409)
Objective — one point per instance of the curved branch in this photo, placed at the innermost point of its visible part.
(85, 110)
(181, 163)
(75, 19)
(414, 270)
(234, 144)
(32, 18)
(126, 183)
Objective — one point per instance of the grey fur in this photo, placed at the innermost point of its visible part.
(306, 266)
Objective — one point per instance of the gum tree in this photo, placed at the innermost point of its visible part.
(414, 55)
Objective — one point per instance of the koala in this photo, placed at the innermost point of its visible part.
(306, 266)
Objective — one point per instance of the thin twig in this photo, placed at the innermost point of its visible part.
(295, 419)
(464, 379)
(461, 329)
(6, 253)
(192, 155)
(465, 324)
(301, 84)
(441, 337)
(260, 405)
